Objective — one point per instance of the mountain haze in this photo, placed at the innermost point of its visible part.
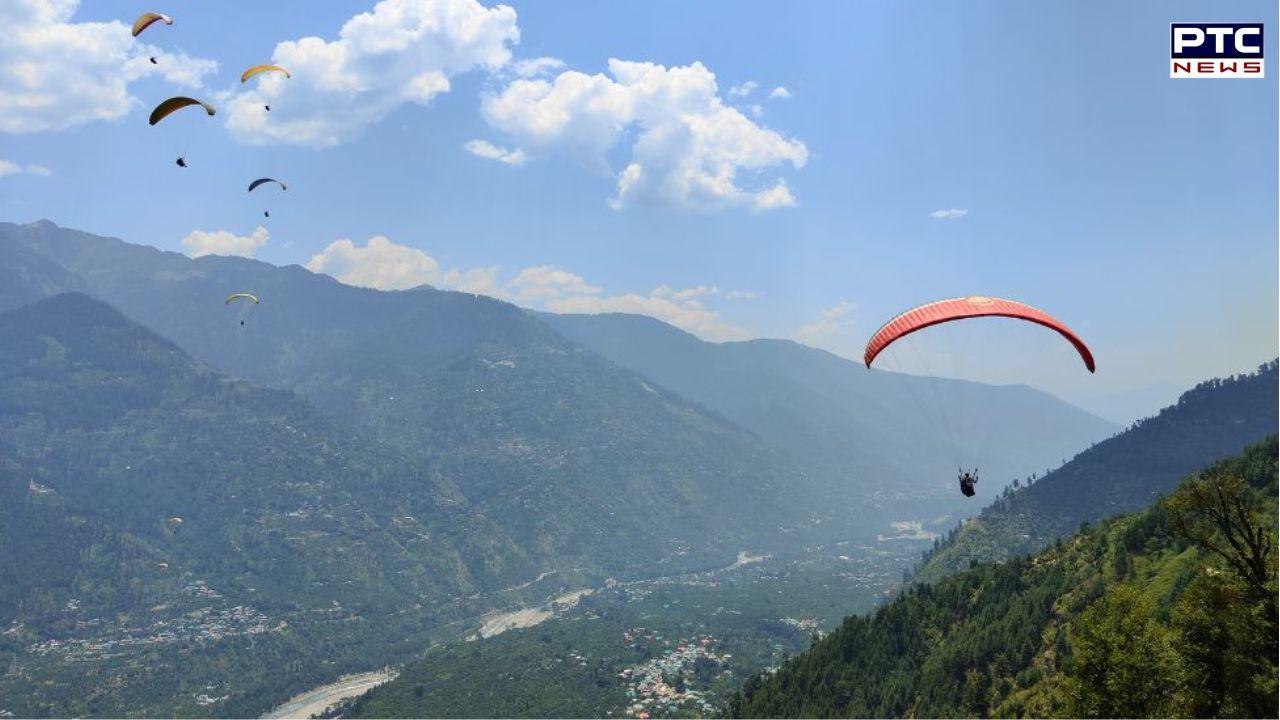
(856, 425)
(490, 392)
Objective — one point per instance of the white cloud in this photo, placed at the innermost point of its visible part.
(949, 214)
(740, 295)
(8, 167)
(536, 67)
(56, 74)
(688, 148)
(385, 265)
(778, 196)
(779, 93)
(402, 52)
(224, 242)
(547, 283)
(489, 151)
(380, 264)
(820, 332)
(744, 89)
(556, 290)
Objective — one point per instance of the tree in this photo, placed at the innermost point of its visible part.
(1215, 512)
(1123, 661)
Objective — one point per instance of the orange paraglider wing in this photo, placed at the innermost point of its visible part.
(974, 306)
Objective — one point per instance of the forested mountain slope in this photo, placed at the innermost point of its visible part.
(140, 489)
(583, 463)
(1137, 617)
(476, 383)
(1124, 473)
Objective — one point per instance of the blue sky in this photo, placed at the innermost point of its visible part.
(1139, 209)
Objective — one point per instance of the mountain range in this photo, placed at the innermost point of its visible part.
(371, 471)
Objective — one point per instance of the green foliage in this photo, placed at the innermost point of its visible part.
(1123, 661)
(1125, 619)
(1122, 474)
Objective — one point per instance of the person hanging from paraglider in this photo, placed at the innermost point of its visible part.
(172, 105)
(263, 181)
(963, 308)
(258, 70)
(247, 297)
(146, 20)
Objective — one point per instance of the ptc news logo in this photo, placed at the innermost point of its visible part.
(1216, 50)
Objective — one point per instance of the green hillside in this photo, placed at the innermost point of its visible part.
(1137, 617)
(423, 369)
(1124, 473)
(151, 506)
(583, 464)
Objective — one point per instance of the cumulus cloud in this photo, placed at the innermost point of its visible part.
(688, 148)
(56, 74)
(224, 242)
(38, 170)
(779, 93)
(489, 151)
(949, 214)
(827, 326)
(9, 168)
(743, 89)
(380, 264)
(402, 52)
(385, 265)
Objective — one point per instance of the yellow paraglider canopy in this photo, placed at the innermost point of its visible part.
(235, 296)
(259, 69)
(145, 20)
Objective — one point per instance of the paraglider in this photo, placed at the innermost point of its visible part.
(174, 104)
(258, 70)
(963, 308)
(247, 297)
(147, 19)
(153, 61)
(263, 181)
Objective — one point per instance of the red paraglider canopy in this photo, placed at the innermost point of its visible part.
(973, 306)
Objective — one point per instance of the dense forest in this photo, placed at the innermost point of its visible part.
(1127, 472)
(1164, 613)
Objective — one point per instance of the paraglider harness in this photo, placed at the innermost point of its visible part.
(967, 481)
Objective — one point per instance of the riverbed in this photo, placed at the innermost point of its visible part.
(317, 700)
